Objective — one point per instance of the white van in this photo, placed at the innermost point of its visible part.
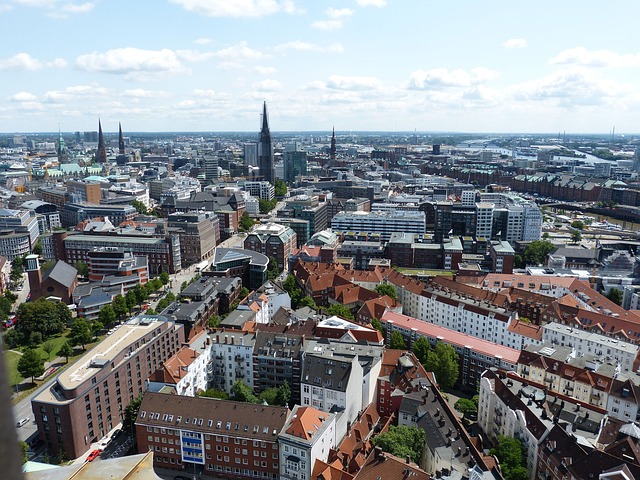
(21, 422)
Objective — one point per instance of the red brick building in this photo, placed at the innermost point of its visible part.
(199, 435)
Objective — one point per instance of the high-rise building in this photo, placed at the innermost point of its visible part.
(265, 149)
(251, 154)
(101, 154)
(211, 164)
(295, 163)
(332, 152)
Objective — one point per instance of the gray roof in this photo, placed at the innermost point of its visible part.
(332, 373)
(63, 273)
(238, 318)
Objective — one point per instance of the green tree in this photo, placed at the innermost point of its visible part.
(131, 299)
(466, 406)
(140, 207)
(162, 304)
(35, 339)
(443, 362)
(578, 224)
(170, 297)
(509, 452)
(280, 188)
(377, 324)
(339, 310)
(397, 341)
(43, 316)
(96, 327)
(576, 236)
(48, 348)
(273, 270)
(81, 332)
(421, 348)
(386, 289)
(615, 296)
(16, 269)
(82, 268)
(269, 395)
(37, 248)
(213, 393)
(24, 448)
(266, 206)
(141, 293)
(283, 396)
(131, 413)
(164, 278)
(536, 252)
(66, 350)
(402, 441)
(214, 321)
(307, 301)
(107, 315)
(30, 364)
(241, 392)
(120, 307)
(244, 292)
(246, 222)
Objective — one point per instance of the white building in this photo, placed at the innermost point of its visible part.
(484, 219)
(308, 435)
(262, 190)
(586, 343)
(468, 198)
(331, 383)
(384, 223)
(231, 359)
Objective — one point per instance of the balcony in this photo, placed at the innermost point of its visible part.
(239, 358)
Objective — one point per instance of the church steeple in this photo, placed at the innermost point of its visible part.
(120, 140)
(332, 152)
(101, 154)
(265, 149)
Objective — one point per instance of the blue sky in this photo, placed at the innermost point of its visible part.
(391, 65)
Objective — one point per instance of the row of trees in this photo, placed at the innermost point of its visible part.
(242, 392)
(37, 322)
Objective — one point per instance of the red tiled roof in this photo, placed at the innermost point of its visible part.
(452, 337)
(307, 419)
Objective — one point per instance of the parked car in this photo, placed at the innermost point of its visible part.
(93, 455)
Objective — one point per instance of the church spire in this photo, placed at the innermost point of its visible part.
(332, 152)
(265, 149)
(101, 154)
(120, 140)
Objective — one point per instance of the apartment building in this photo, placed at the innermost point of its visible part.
(73, 213)
(113, 265)
(309, 435)
(199, 435)
(277, 359)
(272, 240)
(475, 355)
(88, 399)
(512, 407)
(385, 223)
(231, 359)
(199, 235)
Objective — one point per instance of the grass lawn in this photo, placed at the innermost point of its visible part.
(12, 366)
(57, 341)
(420, 271)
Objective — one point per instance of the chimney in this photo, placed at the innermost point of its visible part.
(408, 459)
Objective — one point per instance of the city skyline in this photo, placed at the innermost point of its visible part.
(361, 65)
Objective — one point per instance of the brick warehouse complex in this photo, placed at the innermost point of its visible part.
(88, 399)
(204, 435)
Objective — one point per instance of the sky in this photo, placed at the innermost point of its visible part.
(359, 65)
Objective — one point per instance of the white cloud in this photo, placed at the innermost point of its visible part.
(21, 62)
(265, 70)
(131, 60)
(515, 43)
(23, 97)
(236, 8)
(310, 47)
(77, 8)
(437, 78)
(335, 21)
(239, 52)
(371, 3)
(202, 41)
(339, 82)
(339, 12)
(571, 87)
(142, 93)
(268, 85)
(328, 25)
(75, 93)
(5, 7)
(595, 58)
